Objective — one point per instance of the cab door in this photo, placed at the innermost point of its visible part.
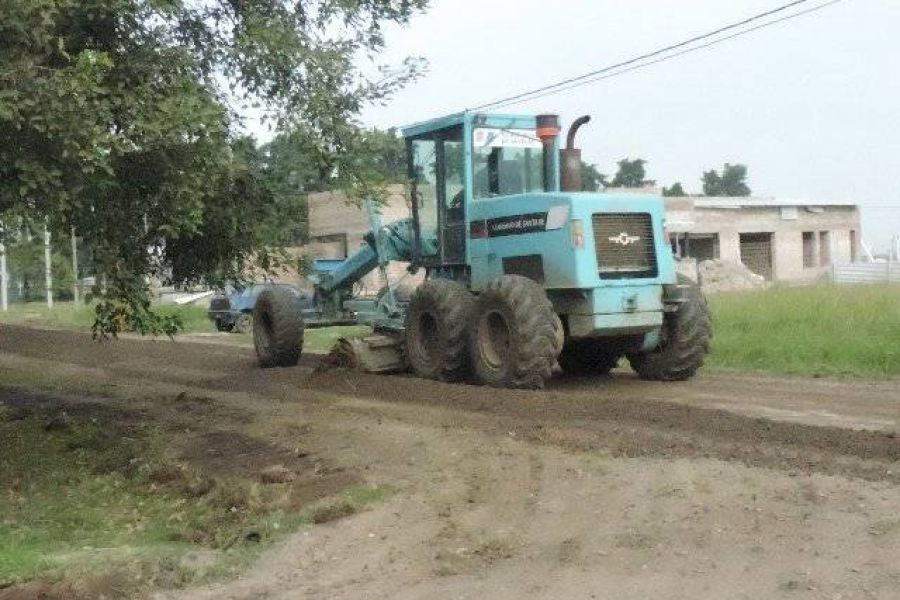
(437, 172)
(453, 197)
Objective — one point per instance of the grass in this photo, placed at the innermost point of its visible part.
(821, 330)
(193, 317)
(64, 315)
(67, 315)
(321, 340)
(88, 491)
(66, 503)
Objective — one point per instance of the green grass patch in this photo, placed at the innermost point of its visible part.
(194, 317)
(63, 315)
(68, 315)
(349, 502)
(821, 330)
(88, 490)
(321, 340)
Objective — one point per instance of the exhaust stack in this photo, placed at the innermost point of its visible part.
(547, 131)
(570, 158)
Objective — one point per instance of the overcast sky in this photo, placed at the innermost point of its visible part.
(811, 106)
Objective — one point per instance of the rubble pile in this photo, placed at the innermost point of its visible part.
(723, 276)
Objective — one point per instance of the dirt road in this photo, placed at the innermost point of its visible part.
(595, 488)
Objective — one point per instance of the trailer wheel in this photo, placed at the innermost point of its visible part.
(588, 357)
(514, 337)
(684, 341)
(243, 324)
(277, 329)
(435, 336)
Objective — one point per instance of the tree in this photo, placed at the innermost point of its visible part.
(732, 181)
(674, 190)
(288, 168)
(631, 173)
(119, 118)
(591, 178)
(384, 155)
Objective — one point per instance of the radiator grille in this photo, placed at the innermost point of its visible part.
(624, 245)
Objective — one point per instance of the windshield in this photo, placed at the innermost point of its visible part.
(506, 161)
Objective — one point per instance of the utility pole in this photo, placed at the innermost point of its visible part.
(48, 271)
(4, 275)
(75, 291)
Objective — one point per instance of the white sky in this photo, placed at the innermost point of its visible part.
(812, 106)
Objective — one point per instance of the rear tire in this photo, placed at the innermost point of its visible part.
(588, 357)
(277, 329)
(515, 335)
(435, 338)
(684, 341)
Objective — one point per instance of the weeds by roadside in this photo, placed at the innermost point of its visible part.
(816, 330)
(90, 492)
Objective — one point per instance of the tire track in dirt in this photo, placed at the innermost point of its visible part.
(614, 418)
(629, 427)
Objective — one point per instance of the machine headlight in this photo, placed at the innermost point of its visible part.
(576, 229)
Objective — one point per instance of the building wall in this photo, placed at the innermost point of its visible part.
(331, 213)
(785, 223)
(337, 227)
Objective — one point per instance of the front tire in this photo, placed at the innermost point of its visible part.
(515, 334)
(277, 329)
(435, 338)
(684, 341)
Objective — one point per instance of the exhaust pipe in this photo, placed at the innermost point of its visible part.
(570, 158)
(547, 130)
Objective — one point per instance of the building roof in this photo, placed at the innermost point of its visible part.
(499, 120)
(761, 201)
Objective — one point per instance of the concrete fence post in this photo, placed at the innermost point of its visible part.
(48, 268)
(4, 276)
(76, 295)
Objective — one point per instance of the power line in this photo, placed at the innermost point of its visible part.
(671, 56)
(611, 70)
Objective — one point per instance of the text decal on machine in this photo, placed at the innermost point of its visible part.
(516, 224)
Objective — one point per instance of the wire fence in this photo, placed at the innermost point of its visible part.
(879, 272)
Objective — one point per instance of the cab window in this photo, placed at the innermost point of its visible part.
(424, 174)
(454, 167)
(506, 161)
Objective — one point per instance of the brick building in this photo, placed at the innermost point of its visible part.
(782, 240)
(336, 229)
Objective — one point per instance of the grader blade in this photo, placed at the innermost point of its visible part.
(373, 354)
